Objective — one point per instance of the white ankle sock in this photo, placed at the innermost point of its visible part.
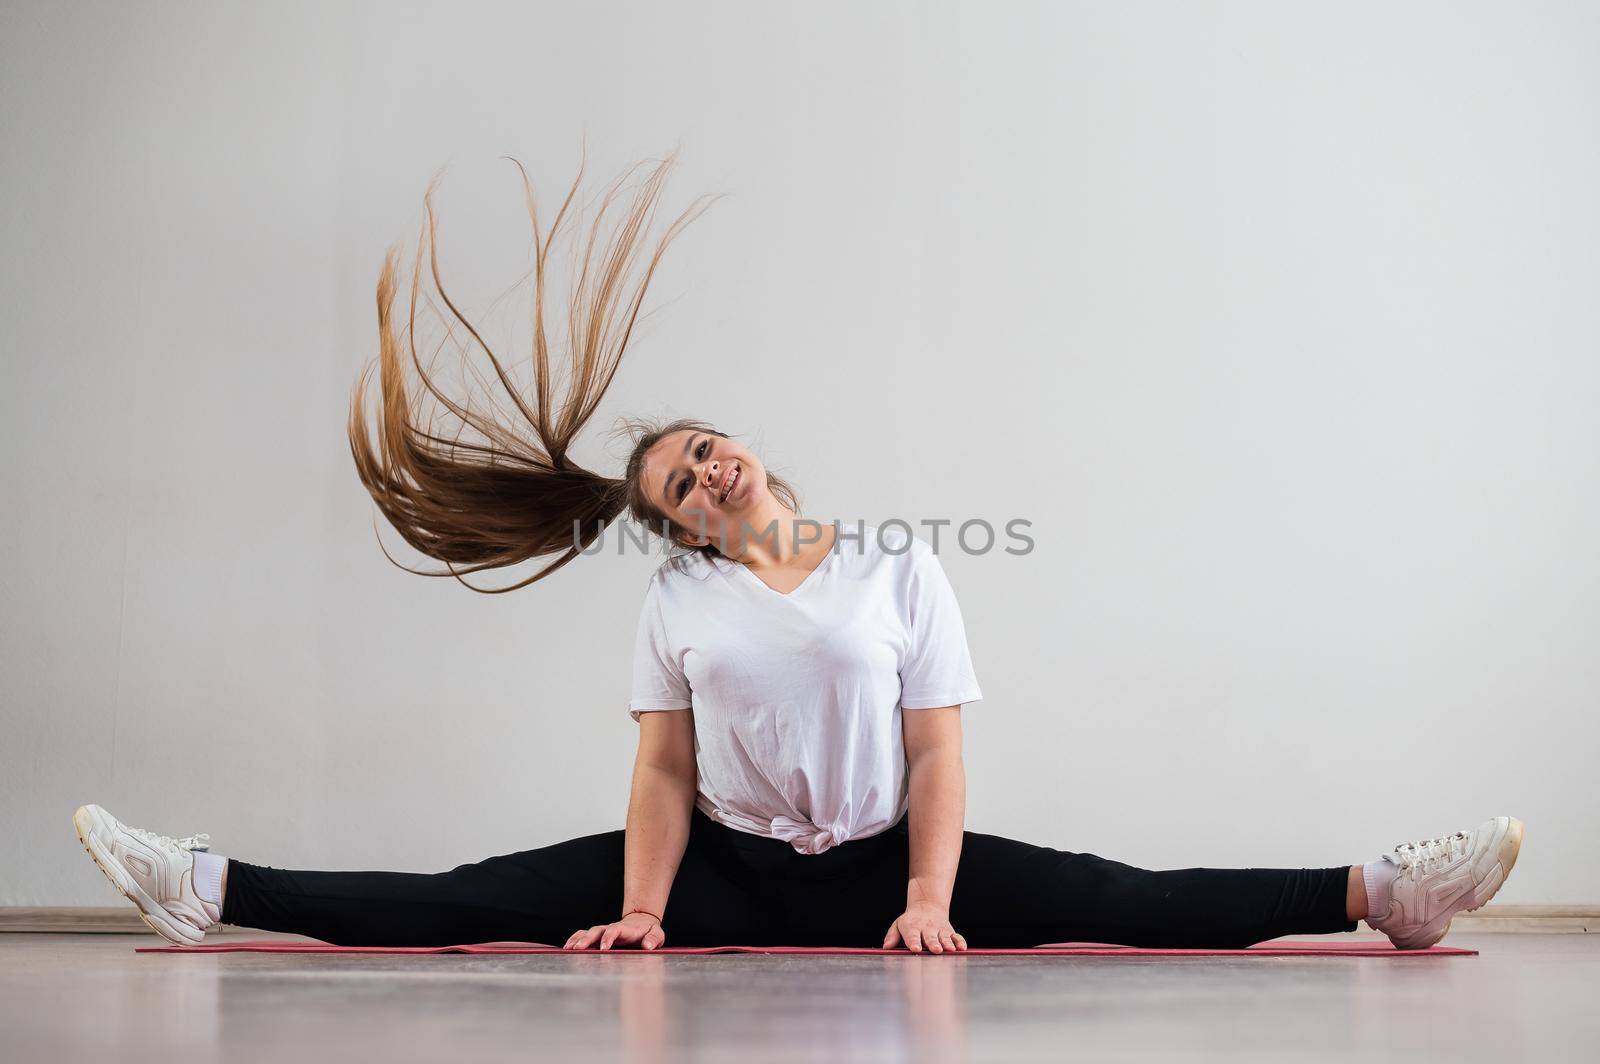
(1378, 877)
(208, 876)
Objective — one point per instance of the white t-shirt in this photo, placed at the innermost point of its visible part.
(797, 697)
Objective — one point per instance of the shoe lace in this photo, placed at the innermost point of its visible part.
(1422, 856)
(201, 841)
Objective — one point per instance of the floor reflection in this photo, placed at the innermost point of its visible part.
(897, 1007)
(646, 1021)
(935, 995)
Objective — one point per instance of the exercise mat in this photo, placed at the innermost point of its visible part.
(1283, 948)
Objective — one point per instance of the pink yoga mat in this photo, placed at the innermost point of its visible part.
(1343, 948)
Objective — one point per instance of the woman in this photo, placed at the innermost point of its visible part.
(798, 688)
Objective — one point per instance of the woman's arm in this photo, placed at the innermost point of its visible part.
(659, 807)
(937, 788)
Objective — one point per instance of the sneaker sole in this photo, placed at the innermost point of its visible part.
(84, 822)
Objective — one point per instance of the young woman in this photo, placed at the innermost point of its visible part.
(798, 688)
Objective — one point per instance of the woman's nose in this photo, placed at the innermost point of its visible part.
(708, 475)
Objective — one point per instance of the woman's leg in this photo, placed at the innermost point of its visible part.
(540, 895)
(1011, 894)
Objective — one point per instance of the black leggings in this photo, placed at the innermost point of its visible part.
(735, 888)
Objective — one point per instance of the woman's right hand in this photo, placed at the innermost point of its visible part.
(639, 929)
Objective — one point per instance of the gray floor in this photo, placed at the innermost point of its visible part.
(83, 997)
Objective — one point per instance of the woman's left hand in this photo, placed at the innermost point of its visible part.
(924, 924)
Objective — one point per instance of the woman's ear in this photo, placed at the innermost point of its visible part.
(693, 533)
(685, 537)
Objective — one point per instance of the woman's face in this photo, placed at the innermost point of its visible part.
(707, 484)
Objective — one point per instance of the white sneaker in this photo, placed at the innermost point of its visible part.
(153, 871)
(1436, 878)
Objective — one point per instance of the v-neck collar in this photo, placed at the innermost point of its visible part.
(810, 578)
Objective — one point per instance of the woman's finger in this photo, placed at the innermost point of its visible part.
(892, 939)
(961, 943)
(949, 940)
(930, 938)
(914, 940)
(654, 937)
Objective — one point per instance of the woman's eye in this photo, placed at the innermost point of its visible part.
(699, 454)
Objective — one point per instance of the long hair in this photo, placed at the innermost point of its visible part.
(509, 491)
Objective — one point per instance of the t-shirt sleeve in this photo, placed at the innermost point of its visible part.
(938, 667)
(658, 679)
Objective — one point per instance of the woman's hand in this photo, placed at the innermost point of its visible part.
(639, 929)
(924, 924)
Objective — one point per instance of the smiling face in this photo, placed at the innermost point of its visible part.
(707, 484)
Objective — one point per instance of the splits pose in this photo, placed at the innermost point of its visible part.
(798, 689)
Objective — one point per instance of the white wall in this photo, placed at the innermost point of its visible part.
(1279, 321)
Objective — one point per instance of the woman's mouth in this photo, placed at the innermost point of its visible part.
(728, 484)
